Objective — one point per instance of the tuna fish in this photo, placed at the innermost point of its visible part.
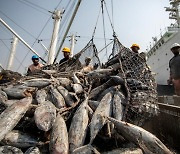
(18, 91)
(104, 109)
(75, 79)
(3, 97)
(78, 128)
(114, 80)
(45, 116)
(19, 139)
(11, 116)
(78, 89)
(41, 96)
(67, 96)
(100, 73)
(93, 104)
(65, 82)
(57, 98)
(59, 137)
(145, 140)
(87, 149)
(33, 150)
(125, 151)
(118, 101)
(38, 82)
(10, 102)
(10, 150)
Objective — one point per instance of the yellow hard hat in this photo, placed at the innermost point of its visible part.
(135, 45)
(66, 49)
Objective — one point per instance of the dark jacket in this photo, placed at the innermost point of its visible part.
(174, 65)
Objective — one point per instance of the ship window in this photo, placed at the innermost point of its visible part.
(166, 54)
(159, 44)
(154, 50)
(156, 47)
(158, 59)
(167, 69)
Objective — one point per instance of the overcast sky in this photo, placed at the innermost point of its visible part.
(134, 21)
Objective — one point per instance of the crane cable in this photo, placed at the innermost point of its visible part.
(96, 24)
(23, 2)
(38, 36)
(109, 17)
(35, 41)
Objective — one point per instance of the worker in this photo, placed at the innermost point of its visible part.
(66, 52)
(174, 65)
(135, 48)
(87, 67)
(35, 66)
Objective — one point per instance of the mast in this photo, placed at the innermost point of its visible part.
(56, 16)
(26, 44)
(174, 11)
(13, 50)
(72, 44)
(67, 30)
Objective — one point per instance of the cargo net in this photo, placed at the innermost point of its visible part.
(139, 82)
(78, 60)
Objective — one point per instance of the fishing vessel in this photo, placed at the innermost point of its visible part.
(159, 54)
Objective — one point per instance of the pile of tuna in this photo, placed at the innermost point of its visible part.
(75, 112)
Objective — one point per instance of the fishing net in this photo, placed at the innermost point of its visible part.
(78, 60)
(139, 81)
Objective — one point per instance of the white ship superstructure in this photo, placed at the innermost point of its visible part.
(159, 55)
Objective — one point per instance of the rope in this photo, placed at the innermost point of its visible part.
(18, 25)
(96, 23)
(109, 17)
(112, 8)
(36, 5)
(32, 7)
(10, 51)
(34, 42)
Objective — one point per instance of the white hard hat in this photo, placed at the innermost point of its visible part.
(175, 45)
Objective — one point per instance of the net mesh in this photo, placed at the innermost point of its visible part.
(78, 60)
(140, 83)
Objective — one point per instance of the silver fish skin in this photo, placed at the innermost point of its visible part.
(41, 96)
(118, 100)
(67, 97)
(75, 79)
(12, 115)
(33, 150)
(59, 137)
(104, 109)
(125, 151)
(100, 73)
(57, 98)
(93, 104)
(18, 92)
(65, 82)
(45, 116)
(86, 149)
(10, 150)
(78, 89)
(149, 143)
(10, 102)
(79, 125)
(113, 81)
(3, 97)
(38, 82)
(19, 139)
